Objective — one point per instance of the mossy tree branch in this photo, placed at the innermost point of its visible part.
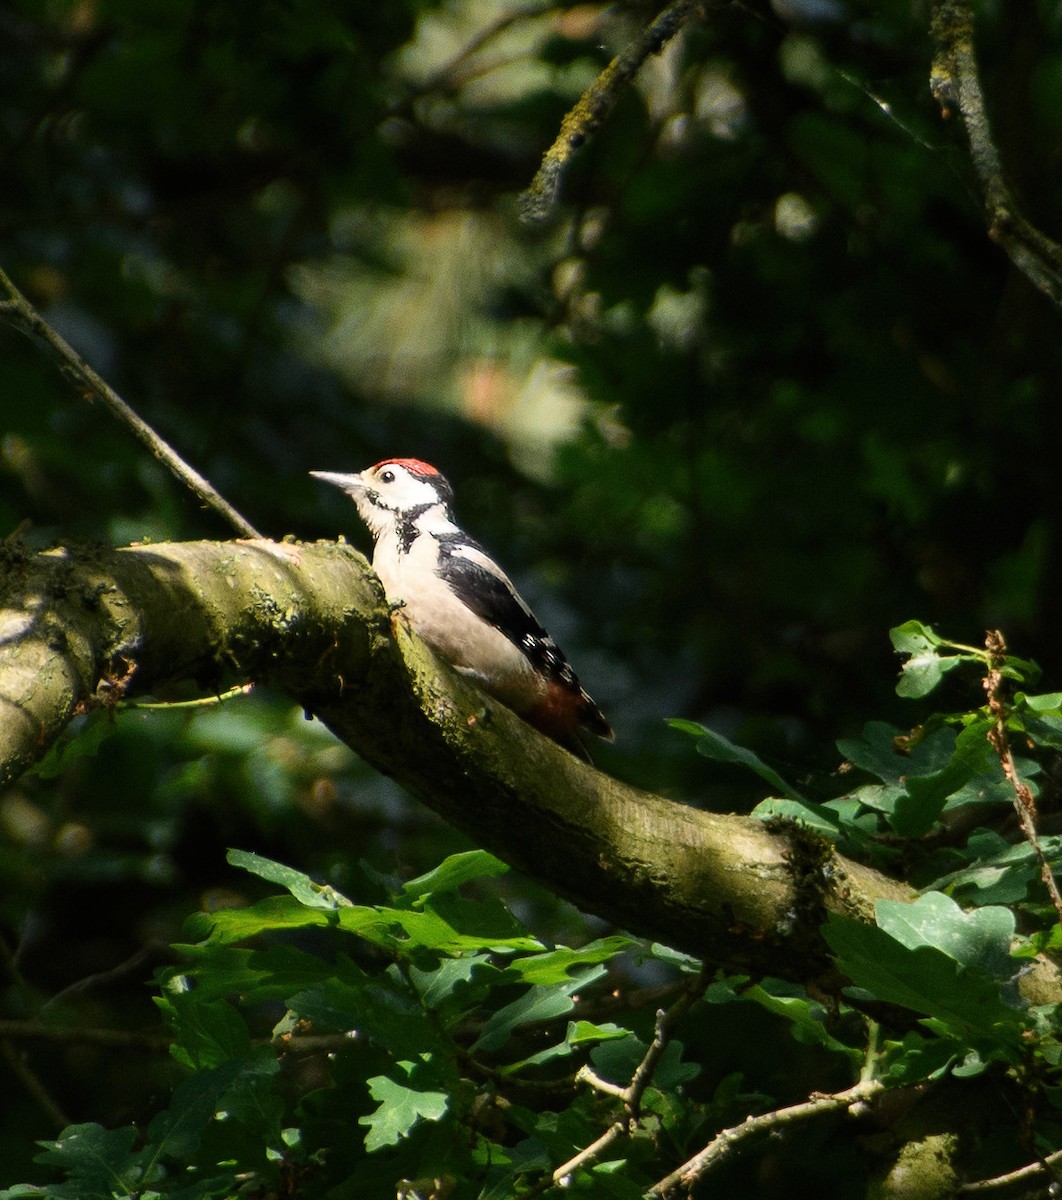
(81, 628)
(956, 83)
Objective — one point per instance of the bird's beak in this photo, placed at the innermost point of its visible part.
(353, 485)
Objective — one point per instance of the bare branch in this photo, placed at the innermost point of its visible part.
(631, 1095)
(539, 201)
(39, 1031)
(955, 83)
(1024, 804)
(457, 70)
(590, 1076)
(32, 1083)
(730, 1142)
(19, 313)
(1029, 1175)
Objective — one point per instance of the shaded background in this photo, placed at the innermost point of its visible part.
(763, 389)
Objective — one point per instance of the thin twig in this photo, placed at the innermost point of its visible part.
(631, 1095)
(1029, 1174)
(590, 1076)
(38, 1031)
(593, 107)
(729, 1142)
(449, 76)
(33, 1085)
(955, 83)
(18, 312)
(98, 979)
(616, 1131)
(241, 689)
(1024, 804)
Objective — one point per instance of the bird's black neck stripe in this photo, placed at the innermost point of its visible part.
(406, 526)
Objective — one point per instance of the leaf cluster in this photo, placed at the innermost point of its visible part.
(335, 1043)
(323, 1043)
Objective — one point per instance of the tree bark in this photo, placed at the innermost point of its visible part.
(81, 628)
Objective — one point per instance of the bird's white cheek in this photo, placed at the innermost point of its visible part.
(377, 519)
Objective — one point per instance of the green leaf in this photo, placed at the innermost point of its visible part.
(581, 1032)
(81, 739)
(925, 666)
(912, 637)
(822, 820)
(617, 1061)
(206, 1032)
(675, 958)
(555, 966)
(301, 886)
(577, 1035)
(486, 925)
(538, 1004)
(727, 990)
(457, 984)
(720, 749)
(253, 1098)
(875, 751)
(1000, 873)
(454, 872)
(923, 776)
(806, 1017)
(881, 797)
(1022, 670)
(99, 1163)
(925, 980)
(918, 1058)
(376, 1009)
(925, 796)
(232, 1089)
(611, 1180)
(980, 938)
(401, 1109)
(227, 925)
(218, 972)
(483, 918)
(430, 930)
(1046, 941)
(1044, 728)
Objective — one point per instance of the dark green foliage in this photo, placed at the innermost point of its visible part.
(810, 398)
(327, 1044)
(424, 1045)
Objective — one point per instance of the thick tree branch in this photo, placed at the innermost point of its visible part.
(78, 629)
(955, 83)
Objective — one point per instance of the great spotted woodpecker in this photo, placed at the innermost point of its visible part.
(461, 602)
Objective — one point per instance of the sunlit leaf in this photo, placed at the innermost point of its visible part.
(454, 872)
(926, 980)
(537, 1004)
(720, 749)
(979, 938)
(401, 1108)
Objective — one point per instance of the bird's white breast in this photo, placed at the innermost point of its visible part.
(464, 639)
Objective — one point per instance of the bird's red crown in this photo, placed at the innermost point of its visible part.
(414, 466)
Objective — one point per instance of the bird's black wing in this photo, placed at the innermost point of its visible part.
(496, 601)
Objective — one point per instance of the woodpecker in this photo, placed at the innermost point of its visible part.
(461, 602)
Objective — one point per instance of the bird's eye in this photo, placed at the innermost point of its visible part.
(387, 477)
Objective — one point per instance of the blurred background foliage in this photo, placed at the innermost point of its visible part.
(762, 389)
